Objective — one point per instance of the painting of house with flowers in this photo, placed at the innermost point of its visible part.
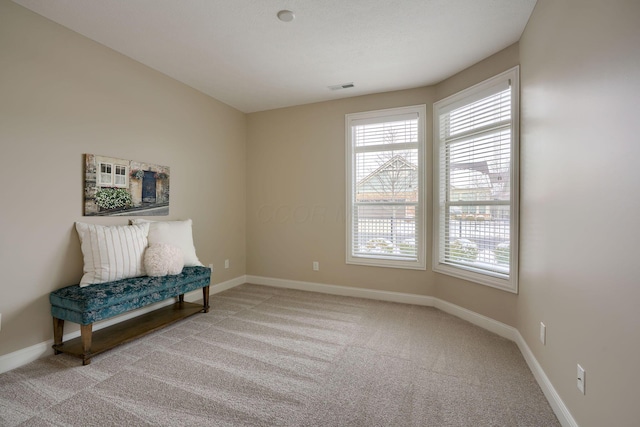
(115, 186)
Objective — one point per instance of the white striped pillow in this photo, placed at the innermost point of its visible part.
(112, 252)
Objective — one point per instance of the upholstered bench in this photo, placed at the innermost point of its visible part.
(89, 304)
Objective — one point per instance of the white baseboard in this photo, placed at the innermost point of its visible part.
(215, 289)
(558, 406)
(26, 355)
(344, 290)
(499, 328)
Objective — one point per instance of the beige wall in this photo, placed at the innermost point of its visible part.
(296, 196)
(580, 202)
(62, 95)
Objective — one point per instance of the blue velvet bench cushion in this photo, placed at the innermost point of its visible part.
(104, 300)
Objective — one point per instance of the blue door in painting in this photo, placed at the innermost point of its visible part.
(149, 187)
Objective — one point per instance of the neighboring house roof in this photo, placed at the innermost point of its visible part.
(469, 179)
(481, 178)
(396, 175)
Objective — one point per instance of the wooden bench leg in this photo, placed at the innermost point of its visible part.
(205, 299)
(85, 334)
(58, 327)
(181, 298)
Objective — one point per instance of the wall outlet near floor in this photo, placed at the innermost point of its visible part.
(543, 333)
(211, 267)
(226, 263)
(316, 266)
(581, 378)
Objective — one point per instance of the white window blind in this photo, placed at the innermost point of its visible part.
(385, 188)
(476, 150)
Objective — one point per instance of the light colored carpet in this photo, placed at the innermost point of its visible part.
(276, 357)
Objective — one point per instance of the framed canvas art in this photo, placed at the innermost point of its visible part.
(114, 186)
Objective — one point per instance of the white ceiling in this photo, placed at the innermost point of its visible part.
(238, 52)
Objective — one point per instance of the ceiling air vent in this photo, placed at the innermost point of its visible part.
(342, 86)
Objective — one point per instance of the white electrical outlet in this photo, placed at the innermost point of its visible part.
(581, 378)
(316, 266)
(211, 267)
(543, 333)
(226, 263)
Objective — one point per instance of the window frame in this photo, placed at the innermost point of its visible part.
(102, 183)
(507, 282)
(125, 168)
(378, 116)
(112, 175)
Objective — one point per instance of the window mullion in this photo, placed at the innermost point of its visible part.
(387, 147)
(476, 133)
(478, 202)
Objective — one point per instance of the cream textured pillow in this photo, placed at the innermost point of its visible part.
(161, 259)
(175, 233)
(112, 252)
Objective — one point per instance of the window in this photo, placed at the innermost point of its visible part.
(385, 187)
(105, 174)
(476, 180)
(120, 177)
(112, 175)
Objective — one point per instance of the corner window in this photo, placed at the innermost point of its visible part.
(385, 187)
(476, 181)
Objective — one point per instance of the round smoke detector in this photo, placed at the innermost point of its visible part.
(286, 16)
